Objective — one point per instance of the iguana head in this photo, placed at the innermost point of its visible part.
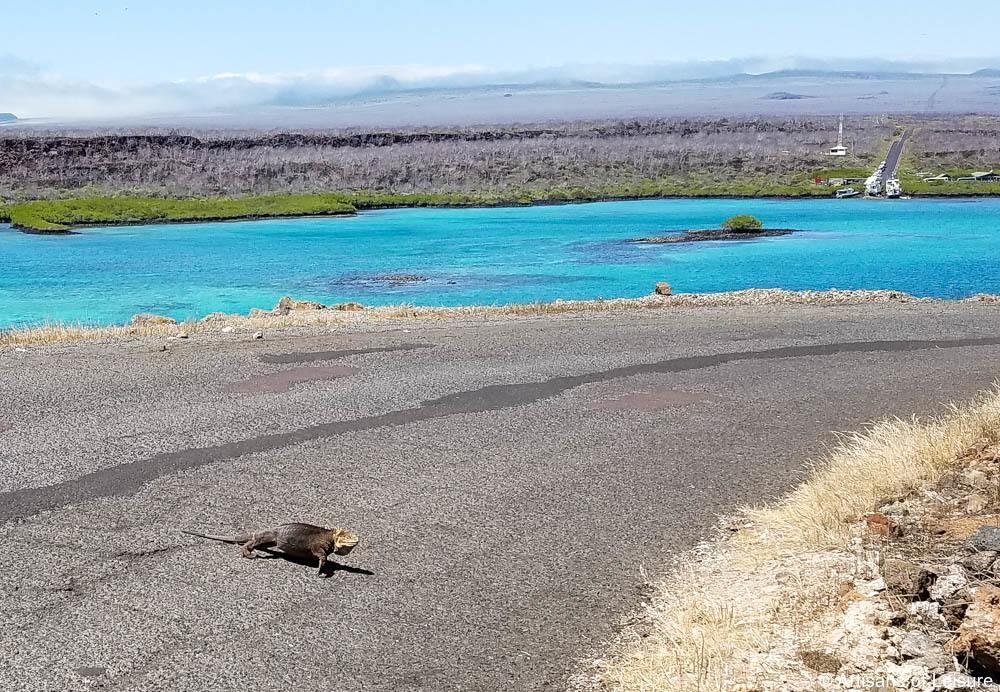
(344, 541)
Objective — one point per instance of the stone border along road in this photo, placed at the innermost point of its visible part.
(510, 480)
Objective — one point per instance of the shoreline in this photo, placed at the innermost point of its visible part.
(67, 228)
(296, 313)
(175, 222)
(116, 223)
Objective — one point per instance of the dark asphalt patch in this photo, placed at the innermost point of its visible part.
(126, 479)
(4, 427)
(651, 400)
(313, 356)
(281, 381)
(90, 671)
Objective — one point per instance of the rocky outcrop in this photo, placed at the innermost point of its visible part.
(979, 633)
(713, 234)
(147, 319)
(401, 278)
(880, 524)
(906, 579)
(662, 288)
(287, 305)
(986, 538)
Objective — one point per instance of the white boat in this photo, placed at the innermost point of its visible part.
(846, 192)
(873, 186)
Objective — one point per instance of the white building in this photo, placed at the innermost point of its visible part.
(840, 149)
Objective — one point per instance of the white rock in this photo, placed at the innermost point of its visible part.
(258, 335)
(857, 640)
(974, 478)
(915, 644)
(226, 330)
(947, 585)
(928, 613)
(976, 504)
(901, 508)
(937, 497)
(874, 586)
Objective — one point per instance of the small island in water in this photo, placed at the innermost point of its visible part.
(742, 227)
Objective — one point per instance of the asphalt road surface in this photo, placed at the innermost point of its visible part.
(892, 158)
(510, 481)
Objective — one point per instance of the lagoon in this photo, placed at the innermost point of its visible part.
(940, 248)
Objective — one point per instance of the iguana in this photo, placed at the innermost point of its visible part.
(297, 540)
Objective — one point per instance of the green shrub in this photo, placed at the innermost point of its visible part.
(60, 215)
(743, 222)
(63, 214)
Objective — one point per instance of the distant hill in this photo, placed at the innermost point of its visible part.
(7, 117)
(786, 96)
(390, 103)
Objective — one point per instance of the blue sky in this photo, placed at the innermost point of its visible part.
(169, 39)
(93, 57)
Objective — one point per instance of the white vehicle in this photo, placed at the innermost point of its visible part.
(893, 188)
(873, 186)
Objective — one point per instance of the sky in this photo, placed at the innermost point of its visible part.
(59, 55)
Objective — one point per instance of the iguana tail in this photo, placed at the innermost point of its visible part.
(225, 539)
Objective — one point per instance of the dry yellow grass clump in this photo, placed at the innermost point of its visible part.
(739, 611)
(890, 459)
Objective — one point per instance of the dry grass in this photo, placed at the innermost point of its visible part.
(57, 332)
(740, 610)
(889, 460)
(713, 626)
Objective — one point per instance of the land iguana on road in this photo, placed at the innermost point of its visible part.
(297, 540)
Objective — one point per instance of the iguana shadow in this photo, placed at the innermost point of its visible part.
(328, 569)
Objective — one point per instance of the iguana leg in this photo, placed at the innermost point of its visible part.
(264, 539)
(322, 563)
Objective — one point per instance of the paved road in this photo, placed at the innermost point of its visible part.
(510, 480)
(892, 158)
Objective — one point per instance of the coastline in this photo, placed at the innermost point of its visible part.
(66, 228)
(62, 226)
(175, 222)
(294, 313)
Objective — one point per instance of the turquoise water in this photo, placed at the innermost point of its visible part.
(948, 249)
